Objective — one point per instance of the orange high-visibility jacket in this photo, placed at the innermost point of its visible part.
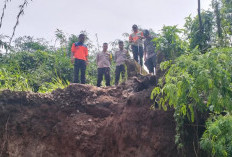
(80, 51)
(135, 37)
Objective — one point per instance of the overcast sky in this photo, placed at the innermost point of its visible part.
(108, 18)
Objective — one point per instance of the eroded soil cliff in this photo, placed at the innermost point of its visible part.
(86, 121)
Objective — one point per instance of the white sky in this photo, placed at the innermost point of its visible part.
(108, 18)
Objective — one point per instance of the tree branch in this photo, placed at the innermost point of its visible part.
(21, 12)
(3, 12)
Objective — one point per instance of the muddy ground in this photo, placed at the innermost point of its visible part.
(86, 121)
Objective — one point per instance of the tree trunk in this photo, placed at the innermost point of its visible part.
(218, 19)
(199, 15)
(200, 26)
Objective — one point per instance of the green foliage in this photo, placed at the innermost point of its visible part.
(43, 71)
(3, 44)
(60, 36)
(217, 139)
(226, 12)
(203, 39)
(91, 71)
(36, 68)
(29, 44)
(13, 81)
(48, 87)
(196, 83)
(169, 42)
(223, 12)
(72, 39)
(200, 81)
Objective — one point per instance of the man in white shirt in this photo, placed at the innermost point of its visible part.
(120, 57)
(103, 64)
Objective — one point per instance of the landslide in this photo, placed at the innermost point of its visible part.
(86, 121)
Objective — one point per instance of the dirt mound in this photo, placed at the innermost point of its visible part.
(86, 121)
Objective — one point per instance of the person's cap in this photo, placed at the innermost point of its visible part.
(81, 35)
(146, 32)
(134, 26)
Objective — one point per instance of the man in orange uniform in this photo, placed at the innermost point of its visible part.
(79, 57)
(137, 44)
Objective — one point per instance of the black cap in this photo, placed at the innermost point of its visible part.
(134, 26)
(81, 35)
(146, 32)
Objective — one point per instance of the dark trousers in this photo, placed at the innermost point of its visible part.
(151, 64)
(119, 69)
(138, 54)
(100, 73)
(79, 65)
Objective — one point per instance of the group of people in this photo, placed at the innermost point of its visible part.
(140, 48)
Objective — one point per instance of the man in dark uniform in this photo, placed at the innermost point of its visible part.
(149, 52)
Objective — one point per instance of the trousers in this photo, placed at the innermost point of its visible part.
(100, 73)
(79, 66)
(119, 70)
(138, 54)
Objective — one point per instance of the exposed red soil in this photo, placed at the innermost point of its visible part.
(86, 121)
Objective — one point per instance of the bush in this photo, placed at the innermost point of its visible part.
(196, 83)
(217, 139)
(35, 70)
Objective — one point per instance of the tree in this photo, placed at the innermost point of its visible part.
(4, 44)
(29, 44)
(215, 5)
(72, 39)
(170, 43)
(195, 85)
(225, 11)
(197, 39)
(199, 16)
(61, 37)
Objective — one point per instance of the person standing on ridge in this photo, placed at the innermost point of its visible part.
(135, 39)
(149, 52)
(120, 57)
(103, 64)
(79, 57)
